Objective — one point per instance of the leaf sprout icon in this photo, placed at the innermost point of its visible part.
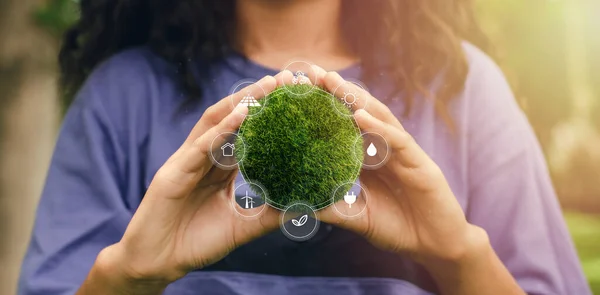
(301, 221)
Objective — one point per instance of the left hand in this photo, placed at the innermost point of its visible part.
(411, 208)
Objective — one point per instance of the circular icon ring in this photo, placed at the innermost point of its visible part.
(247, 202)
(352, 94)
(223, 153)
(354, 203)
(299, 222)
(249, 93)
(376, 150)
(302, 74)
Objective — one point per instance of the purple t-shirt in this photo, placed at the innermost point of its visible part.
(130, 116)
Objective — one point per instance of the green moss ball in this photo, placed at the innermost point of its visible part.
(300, 147)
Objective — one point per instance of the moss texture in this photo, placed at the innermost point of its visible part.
(299, 148)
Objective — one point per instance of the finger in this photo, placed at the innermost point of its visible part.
(319, 75)
(336, 85)
(180, 174)
(336, 215)
(249, 229)
(284, 77)
(269, 220)
(191, 163)
(410, 165)
(348, 212)
(215, 114)
(401, 142)
(216, 176)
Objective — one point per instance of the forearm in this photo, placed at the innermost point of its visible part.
(478, 270)
(108, 277)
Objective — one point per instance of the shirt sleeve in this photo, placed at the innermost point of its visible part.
(510, 191)
(82, 207)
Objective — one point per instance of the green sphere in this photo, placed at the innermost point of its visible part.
(300, 147)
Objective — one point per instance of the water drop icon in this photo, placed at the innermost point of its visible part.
(371, 150)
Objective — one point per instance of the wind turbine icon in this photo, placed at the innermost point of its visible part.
(249, 202)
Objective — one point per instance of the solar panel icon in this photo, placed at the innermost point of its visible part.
(249, 101)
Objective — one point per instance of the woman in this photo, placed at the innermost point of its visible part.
(133, 205)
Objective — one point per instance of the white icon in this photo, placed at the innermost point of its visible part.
(249, 201)
(300, 78)
(371, 150)
(301, 221)
(249, 101)
(228, 149)
(350, 98)
(350, 199)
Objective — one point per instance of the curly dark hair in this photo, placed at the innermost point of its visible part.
(421, 40)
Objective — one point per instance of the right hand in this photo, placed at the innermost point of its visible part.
(185, 221)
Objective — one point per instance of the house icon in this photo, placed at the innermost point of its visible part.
(228, 149)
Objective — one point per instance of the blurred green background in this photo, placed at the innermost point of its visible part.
(549, 50)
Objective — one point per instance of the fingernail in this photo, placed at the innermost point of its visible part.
(241, 108)
(361, 112)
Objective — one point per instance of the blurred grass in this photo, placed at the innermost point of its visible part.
(585, 229)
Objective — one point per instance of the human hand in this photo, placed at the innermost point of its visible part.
(185, 220)
(411, 208)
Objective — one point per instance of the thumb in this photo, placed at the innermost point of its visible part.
(349, 214)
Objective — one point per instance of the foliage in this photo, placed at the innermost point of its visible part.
(585, 230)
(299, 148)
(57, 15)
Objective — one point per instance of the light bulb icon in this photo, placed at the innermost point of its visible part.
(350, 199)
(371, 150)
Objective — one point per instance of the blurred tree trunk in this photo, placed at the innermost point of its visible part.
(574, 153)
(28, 120)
